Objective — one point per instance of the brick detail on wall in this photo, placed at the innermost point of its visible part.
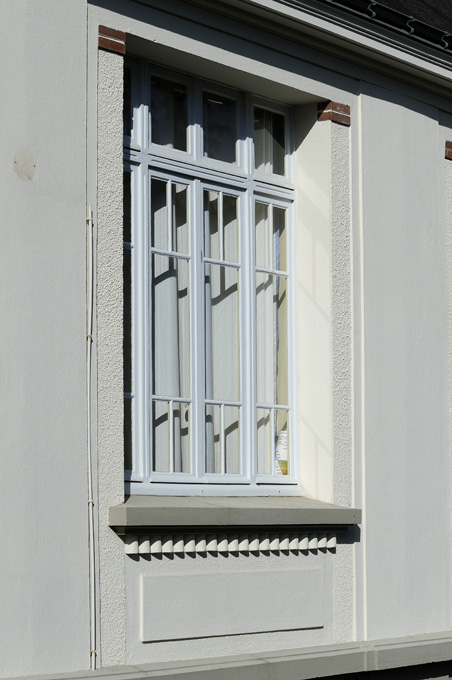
(448, 151)
(338, 113)
(112, 40)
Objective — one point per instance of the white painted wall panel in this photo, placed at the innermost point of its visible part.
(43, 487)
(203, 604)
(406, 459)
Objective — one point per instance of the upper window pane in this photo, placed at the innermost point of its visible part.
(220, 226)
(169, 117)
(269, 141)
(169, 219)
(220, 127)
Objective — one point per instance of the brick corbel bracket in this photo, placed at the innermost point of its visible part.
(337, 113)
(112, 40)
(448, 151)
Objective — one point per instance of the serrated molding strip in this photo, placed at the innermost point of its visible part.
(180, 544)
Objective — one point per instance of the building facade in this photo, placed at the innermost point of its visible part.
(226, 293)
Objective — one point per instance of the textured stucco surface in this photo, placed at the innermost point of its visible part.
(109, 355)
(43, 494)
(342, 377)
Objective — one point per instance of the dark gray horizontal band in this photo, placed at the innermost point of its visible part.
(259, 511)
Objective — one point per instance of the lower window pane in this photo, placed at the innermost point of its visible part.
(282, 442)
(181, 438)
(223, 439)
(232, 440)
(171, 447)
(161, 436)
(271, 339)
(272, 441)
(264, 442)
(171, 327)
(213, 439)
(222, 333)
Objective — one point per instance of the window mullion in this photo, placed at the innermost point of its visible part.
(197, 346)
(250, 321)
(141, 323)
(169, 216)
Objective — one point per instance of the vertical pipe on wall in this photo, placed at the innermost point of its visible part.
(89, 343)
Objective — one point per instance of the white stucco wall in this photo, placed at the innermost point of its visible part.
(375, 372)
(43, 488)
(405, 366)
(110, 420)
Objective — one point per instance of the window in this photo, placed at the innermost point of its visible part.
(208, 287)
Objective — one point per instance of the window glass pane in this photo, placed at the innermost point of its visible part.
(264, 442)
(127, 285)
(262, 235)
(127, 206)
(211, 225)
(232, 439)
(213, 439)
(269, 141)
(282, 442)
(127, 106)
(180, 218)
(271, 339)
(223, 439)
(230, 229)
(265, 339)
(220, 226)
(168, 114)
(171, 326)
(128, 434)
(181, 437)
(127, 322)
(220, 127)
(159, 215)
(280, 303)
(222, 333)
(161, 436)
(279, 239)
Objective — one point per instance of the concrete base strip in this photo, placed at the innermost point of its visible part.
(294, 664)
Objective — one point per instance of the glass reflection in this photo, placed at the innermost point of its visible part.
(169, 114)
(220, 127)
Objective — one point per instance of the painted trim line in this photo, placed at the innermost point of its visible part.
(262, 511)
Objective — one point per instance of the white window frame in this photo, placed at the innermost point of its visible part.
(144, 159)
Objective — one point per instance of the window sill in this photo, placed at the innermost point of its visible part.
(170, 513)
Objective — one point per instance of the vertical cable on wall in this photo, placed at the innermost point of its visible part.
(89, 344)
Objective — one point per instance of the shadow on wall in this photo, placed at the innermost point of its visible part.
(430, 671)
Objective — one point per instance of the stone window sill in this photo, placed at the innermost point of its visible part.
(170, 513)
